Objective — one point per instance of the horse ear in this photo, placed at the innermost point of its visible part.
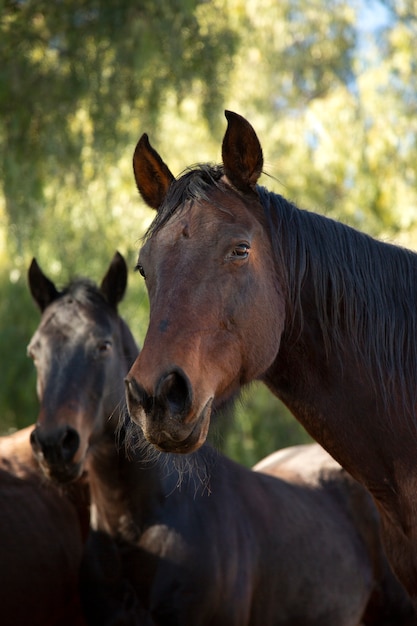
(152, 176)
(42, 289)
(114, 283)
(241, 152)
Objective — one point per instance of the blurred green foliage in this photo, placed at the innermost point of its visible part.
(333, 100)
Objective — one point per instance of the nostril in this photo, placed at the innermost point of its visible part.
(70, 443)
(174, 391)
(129, 389)
(56, 446)
(136, 395)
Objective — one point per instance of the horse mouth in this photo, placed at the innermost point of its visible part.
(171, 436)
(61, 474)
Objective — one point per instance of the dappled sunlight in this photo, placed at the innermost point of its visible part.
(331, 93)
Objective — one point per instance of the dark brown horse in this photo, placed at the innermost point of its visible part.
(41, 542)
(218, 544)
(243, 285)
(81, 336)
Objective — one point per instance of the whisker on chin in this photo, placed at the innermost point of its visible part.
(191, 470)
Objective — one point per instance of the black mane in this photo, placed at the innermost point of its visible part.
(365, 292)
(194, 184)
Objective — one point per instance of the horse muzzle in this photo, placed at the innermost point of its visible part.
(55, 451)
(167, 416)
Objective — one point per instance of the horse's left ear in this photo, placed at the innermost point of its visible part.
(42, 289)
(114, 282)
(241, 152)
(152, 175)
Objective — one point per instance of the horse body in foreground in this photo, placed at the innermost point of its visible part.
(41, 542)
(243, 285)
(202, 541)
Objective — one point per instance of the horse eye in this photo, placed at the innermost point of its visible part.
(241, 251)
(139, 268)
(104, 347)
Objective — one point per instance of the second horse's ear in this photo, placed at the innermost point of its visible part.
(114, 283)
(41, 287)
(241, 152)
(152, 176)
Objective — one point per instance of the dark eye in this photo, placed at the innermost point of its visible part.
(104, 347)
(139, 268)
(241, 251)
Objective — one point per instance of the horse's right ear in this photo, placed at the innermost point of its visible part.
(42, 289)
(241, 152)
(152, 175)
(114, 283)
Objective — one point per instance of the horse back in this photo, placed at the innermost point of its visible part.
(310, 465)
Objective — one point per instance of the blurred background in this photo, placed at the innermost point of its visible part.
(330, 87)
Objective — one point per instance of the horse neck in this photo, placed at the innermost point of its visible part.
(342, 353)
(128, 489)
(125, 488)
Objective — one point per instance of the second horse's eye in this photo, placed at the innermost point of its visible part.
(139, 268)
(104, 347)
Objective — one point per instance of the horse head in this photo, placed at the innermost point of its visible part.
(209, 269)
(81, 351)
